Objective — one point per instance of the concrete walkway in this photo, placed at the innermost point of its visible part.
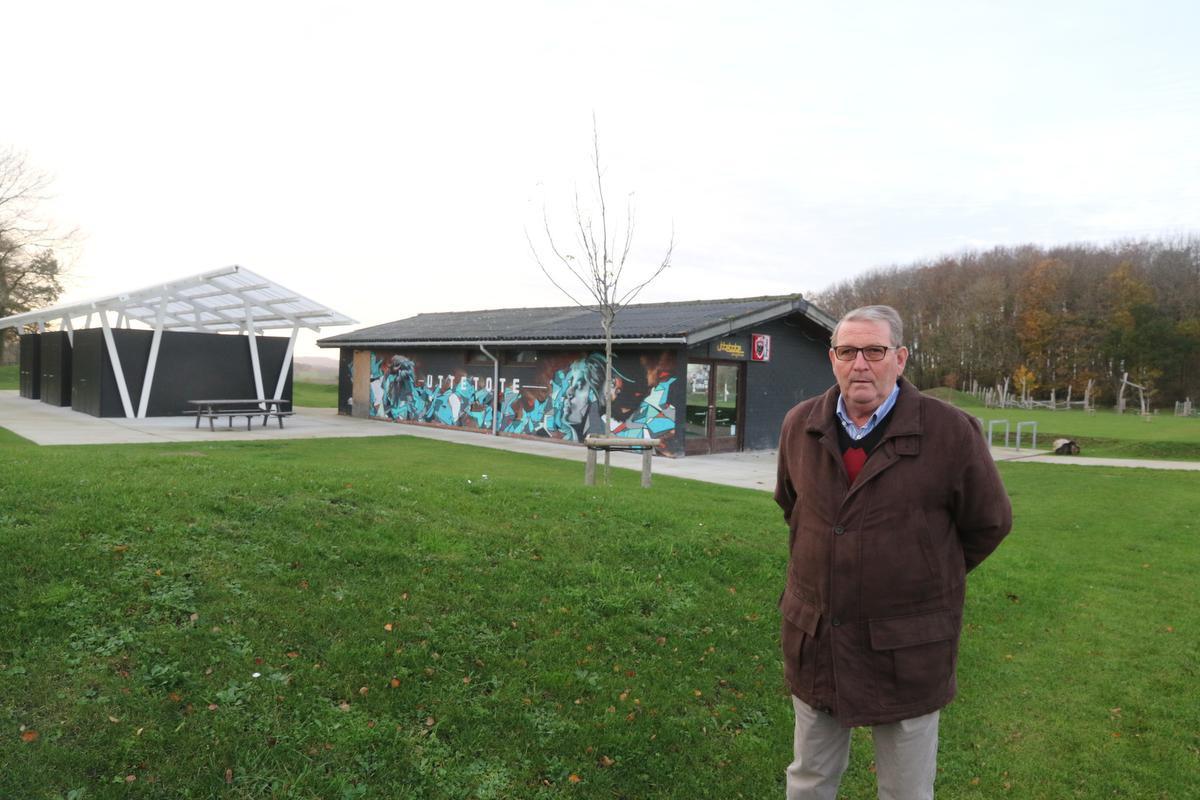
(44, 424)
(1045, 457)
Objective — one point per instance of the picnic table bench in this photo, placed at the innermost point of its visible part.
(595, 443)
(239, 407)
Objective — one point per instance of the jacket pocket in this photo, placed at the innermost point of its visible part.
(799, 613)
(798, 627)
(913, 658)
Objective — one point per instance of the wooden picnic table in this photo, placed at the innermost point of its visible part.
(248, 407)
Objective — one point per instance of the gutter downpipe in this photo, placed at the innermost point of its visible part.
(495, 386)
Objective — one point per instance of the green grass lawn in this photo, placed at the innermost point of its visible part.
(1104, 433)
(316, 395)
(10, 377)
(376, 618)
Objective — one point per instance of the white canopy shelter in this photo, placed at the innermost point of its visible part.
(229, 300)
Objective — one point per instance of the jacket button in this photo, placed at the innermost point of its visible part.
(839, 530)
(835, 622)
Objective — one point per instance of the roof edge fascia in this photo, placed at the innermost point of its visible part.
(329, 343)
(726, 327)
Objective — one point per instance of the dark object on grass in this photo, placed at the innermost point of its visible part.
(1065, 447)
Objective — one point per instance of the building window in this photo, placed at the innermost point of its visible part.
(520, 357)
(477, 357)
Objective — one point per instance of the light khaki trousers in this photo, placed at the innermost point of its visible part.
(905, 756)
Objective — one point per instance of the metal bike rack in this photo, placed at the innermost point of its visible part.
(993, 423)
(1023, 425)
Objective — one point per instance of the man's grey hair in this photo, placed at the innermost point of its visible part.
(885, 314)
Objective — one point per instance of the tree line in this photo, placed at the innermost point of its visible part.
(1051, 318)
(30, 272)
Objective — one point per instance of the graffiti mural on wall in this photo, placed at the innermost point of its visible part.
(567, 402)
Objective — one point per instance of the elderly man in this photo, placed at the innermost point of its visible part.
(891, 498)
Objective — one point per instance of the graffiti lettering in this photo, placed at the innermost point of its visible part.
(464, 383)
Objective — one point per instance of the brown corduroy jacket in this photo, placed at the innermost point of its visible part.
(872, 610)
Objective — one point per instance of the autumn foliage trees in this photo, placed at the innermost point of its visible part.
(30, 271)
(1059, 316)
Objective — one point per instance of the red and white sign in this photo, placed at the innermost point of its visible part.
(760, 347)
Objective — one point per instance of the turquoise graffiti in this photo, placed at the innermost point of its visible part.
(654, 418)
(571, 407)
(396, 394)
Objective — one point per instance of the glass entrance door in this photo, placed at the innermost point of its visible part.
(714, 407)
(726, 405)
(696, 435)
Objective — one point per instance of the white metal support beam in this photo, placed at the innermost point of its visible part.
(287, 363)
(66, 323)
(148, 382)
(118, 373)
(262, 303)
(223, 289)
(251, 335)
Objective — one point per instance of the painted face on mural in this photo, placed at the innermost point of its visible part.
(577, 397)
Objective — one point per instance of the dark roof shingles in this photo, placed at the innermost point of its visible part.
(645, 320)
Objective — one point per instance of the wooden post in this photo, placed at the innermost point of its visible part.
(646, 453)
(589, 471)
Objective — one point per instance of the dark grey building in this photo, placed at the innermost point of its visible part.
(704, 376)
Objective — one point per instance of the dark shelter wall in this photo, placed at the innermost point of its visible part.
(191, 366)
(87, 369)
(345, 380)
(799, 369)
(55, 363)
(31, 366)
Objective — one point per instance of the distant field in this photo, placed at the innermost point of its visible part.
(310, 375)
(403, 618)
(1104, 433)
(315, 395)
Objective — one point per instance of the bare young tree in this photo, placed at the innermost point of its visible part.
(597, 261)
(30, 272)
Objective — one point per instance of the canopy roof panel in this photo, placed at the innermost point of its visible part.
(219, 301)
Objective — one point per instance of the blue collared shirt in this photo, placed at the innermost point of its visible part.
(884, 409)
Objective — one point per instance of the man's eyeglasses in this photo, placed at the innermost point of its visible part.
(872, 352)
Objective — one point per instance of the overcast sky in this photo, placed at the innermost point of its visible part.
(387, 158)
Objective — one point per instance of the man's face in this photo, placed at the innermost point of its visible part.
(866, 384)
